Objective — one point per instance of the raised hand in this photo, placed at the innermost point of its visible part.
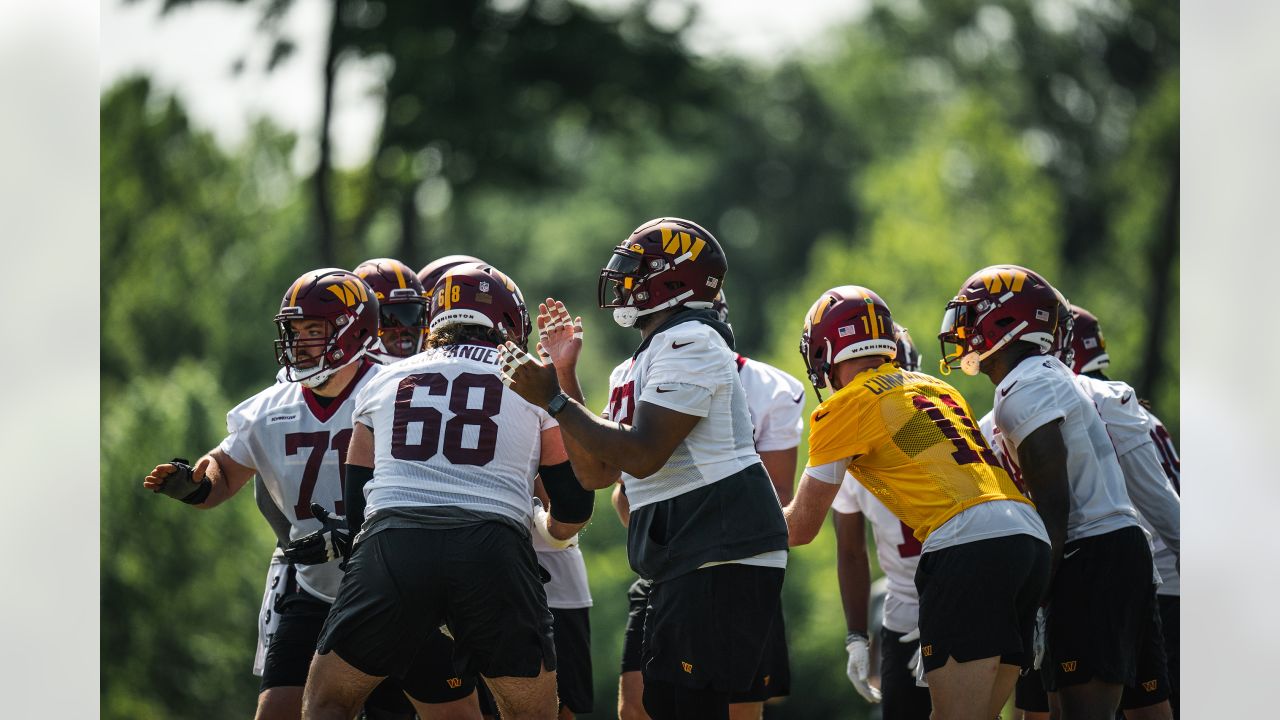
(559, 334)
(532, 380)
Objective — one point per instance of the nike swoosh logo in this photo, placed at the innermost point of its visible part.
(798, 399)
(677, 346)
(1005, 391)
(819, 416)
(662, 391)
(1067, 555)
(1126, 398)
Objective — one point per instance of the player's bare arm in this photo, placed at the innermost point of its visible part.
(639, 450)
(1043, 458)
(553, 454)
(225, 476)
(781, 466)
(805, 513)
(560, 343)
(852, 569)
(621, 504)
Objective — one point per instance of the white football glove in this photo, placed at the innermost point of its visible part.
(541, 518)
(916, 663)
(1039, 637)
(859, 662)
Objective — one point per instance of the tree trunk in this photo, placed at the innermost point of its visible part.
(324, 204)
(1162, 261)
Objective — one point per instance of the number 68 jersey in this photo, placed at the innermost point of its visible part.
(299, 448)
(447, 432)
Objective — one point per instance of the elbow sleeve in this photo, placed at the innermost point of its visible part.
(570, 503)
(353, 495)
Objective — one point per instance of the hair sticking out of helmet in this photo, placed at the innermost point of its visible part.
(431, 273)
(328, 319)
(402, 302)
(844, 323)
(1088, 347)
(908, 356)
(480, 294)
(996, 306)
(665, 263)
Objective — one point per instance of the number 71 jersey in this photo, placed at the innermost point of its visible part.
(911, 440)
(299, 448)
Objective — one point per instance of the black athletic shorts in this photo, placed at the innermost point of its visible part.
(402, 583)
(709, 628)
(773, 678)
(573, 658)
(1029, 694)
(979, 599)
(901, 698)
(1172, 626)
(1152, 685)
(633, 638)
(1099, 609)
(293, 644)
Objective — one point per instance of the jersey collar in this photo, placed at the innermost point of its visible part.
(324, 413)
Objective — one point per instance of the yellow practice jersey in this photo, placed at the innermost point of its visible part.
(911, 440)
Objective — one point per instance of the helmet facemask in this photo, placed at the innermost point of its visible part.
(402, 326)
(331, 357)
(627, 280)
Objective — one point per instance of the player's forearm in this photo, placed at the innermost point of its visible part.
(613, 448)
(853, 573)
(222, 485)
(781, 466)
(621, 505)
(1152, 493)
(804, 514)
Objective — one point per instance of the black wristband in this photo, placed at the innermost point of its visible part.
(570, 503)
(353, 495)
(200, 494)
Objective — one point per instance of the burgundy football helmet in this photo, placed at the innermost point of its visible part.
(908, 356)
(846, 322)
(402, 308)
(996, 306)
(350, 313)
(480, 294)
(666, 262)
(1088, 347)
(432, 272)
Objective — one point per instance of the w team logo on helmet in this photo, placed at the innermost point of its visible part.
(480, 294)
(402, 303)
(846, 322)
(996, 306)
(345, 317)
(667, 262)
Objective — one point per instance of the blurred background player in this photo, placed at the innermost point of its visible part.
(1003, 322)
(1150, 465)
(704, 523)
(775, 401)
(294, 435)
(899, 553)
(431, 273)
(443, 458)
(909, 438)
(402, 308)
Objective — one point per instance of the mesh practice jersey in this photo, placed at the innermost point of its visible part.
(910, 439)
(775, 401)
(448, 432)
(299, 449)
(1041, 390)
(689, 369)
(897, 549)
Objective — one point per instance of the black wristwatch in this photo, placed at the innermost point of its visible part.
(557, 404)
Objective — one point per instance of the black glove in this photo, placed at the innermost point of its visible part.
(181, 484)
(331, 542)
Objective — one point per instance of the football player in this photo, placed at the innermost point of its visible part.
(431, 273)
(1002, 323)
(442, 461)
(909, 438)
(294, 435)
(705, 525)
(899, 553)
(402, 308)
(775, 401)
(1150, 466)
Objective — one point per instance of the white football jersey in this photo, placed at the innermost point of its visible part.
(268, 618)
(448, 432)
(897, 549)
(1144, 458)
(299, 449)
(775, 401)
(1166, 563)
(1041, 390)
(568, 588)
(690, 369)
